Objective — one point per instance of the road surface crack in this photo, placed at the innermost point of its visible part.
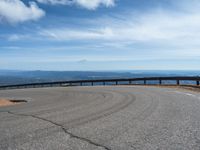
(64, 129)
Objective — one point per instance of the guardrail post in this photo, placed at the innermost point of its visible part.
(178, 82)
(160, 82)
(197, 82)
(116, 82)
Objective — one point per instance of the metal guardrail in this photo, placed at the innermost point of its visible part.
(104, 82)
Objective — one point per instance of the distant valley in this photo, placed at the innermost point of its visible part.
(8, 77)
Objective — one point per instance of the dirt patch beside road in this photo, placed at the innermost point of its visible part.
(7, 102)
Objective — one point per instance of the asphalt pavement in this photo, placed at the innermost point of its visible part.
(102, 118)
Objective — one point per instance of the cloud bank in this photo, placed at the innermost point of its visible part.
(15, 11)
(88, 4)
(157, 26)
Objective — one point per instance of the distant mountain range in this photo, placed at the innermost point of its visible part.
(8, 77)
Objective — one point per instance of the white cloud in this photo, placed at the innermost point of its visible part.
(17, 37)
(88, 4)
(54, 2)
(93, 4)
(72, 34)
(158, 26)
(15, 11)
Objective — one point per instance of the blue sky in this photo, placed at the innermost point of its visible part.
(100, 34)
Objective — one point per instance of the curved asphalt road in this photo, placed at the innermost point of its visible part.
(111, 118)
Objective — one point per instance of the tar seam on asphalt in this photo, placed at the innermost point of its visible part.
(63, 128)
